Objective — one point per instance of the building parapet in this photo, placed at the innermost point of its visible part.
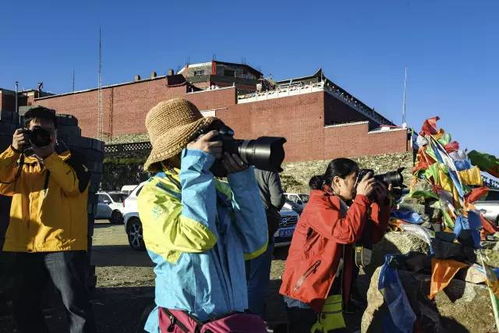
(281, 91)
(383, 129)
(298, 88)
(210, 88)
(354, 123)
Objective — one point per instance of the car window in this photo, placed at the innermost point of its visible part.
(492, 196)
(118, 197)
(304, 197)
(102, 198)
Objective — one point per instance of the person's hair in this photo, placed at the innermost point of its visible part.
(40, 112)
(340, 167)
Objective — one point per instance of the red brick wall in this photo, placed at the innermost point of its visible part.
(124, 106)
(7, 101)
(213, 99)
(300, 118)
(354, 140)
(297, 118)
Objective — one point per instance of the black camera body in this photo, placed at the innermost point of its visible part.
(393, 178)
(38, 136)
(265, 153)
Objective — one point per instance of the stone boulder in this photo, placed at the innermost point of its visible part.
(395, 243)
(461, 307)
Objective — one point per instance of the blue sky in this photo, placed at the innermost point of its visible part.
(451, 49)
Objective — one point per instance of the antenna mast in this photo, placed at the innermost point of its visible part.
(404, 102)
(100, 113)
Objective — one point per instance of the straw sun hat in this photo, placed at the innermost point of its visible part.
(171, 125)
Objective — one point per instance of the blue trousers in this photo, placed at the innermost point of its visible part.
(67, 270)
(258, 277)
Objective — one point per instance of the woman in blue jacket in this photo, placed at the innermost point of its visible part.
(198, 230)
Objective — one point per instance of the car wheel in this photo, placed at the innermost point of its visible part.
(134, 232)
(116, 217)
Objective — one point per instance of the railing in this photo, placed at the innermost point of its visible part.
(120, 148)
(296, 88)
(491, 183)
(282, 90)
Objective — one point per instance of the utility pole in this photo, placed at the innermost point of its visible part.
(17, 106)
(100, 116)
(404, 101)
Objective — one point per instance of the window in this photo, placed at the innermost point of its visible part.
(118, 197)
(199, 73)
(228, 72)
(103, 198)
(304, 197)
(493, 196)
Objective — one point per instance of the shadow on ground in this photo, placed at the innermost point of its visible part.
(119, 255)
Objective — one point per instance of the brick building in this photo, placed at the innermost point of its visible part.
(319, 119)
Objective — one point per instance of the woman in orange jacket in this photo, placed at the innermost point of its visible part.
(320, 260)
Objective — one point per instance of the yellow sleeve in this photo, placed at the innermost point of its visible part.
(8, 170)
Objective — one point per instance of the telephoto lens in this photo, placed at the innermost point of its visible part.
(393, 178)
(265, 153)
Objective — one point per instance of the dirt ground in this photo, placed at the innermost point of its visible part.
(125, 288)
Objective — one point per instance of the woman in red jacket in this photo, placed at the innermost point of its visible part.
(320, 260)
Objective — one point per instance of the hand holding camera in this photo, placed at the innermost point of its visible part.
(20, 140)
(383, 183)
(208, 143)
(40, 140)
(265, 153)
(366, 185)
(233, 163)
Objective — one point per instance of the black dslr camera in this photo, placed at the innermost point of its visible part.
(265, 153)
(38, 136)
(394, 178)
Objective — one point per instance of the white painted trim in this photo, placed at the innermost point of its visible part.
(208, 113)
(208, 90)
(103, 87)
(280, 93)
(348, 124)
(391, 130)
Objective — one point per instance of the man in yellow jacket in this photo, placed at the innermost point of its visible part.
(47, 232)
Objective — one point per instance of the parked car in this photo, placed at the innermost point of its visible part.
(109, 206)
(133, 225)
(296, 201)
(288, 204)
(283, 235)
(489, 206)
(128, 189)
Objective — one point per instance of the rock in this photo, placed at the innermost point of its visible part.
(395, 243)
(461, 307)
(301, 172)
(473, 274)
(491, 256)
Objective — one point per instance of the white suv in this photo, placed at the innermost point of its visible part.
(109, 206)
(489, 206)
(133, 226)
